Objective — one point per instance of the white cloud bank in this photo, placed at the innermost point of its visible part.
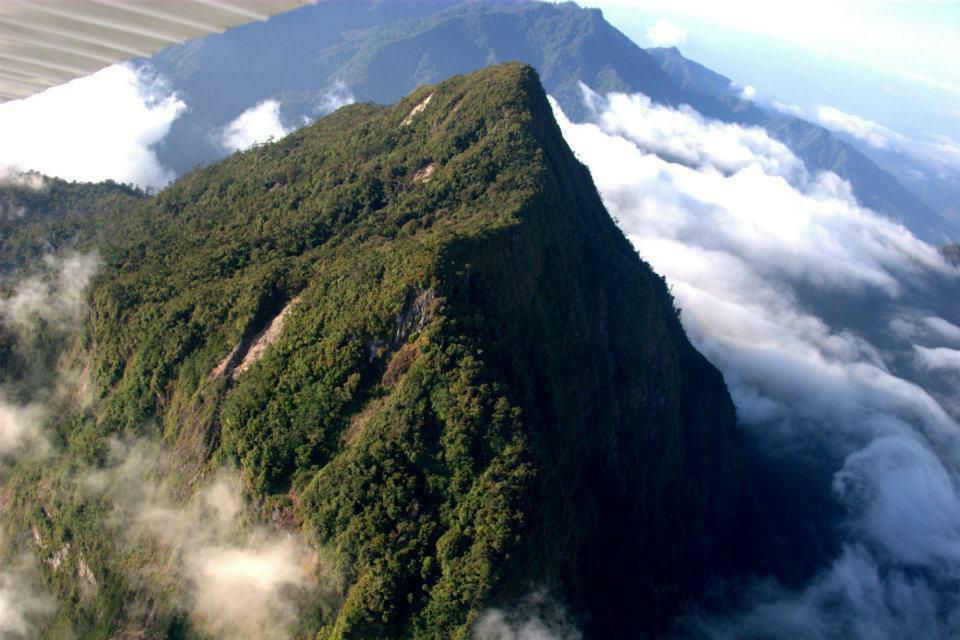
(664, 33)
(747, 238)
(262, 122)
(919, 157)
(259, 123)
(877, 136)
(94, 128)
(939, 358)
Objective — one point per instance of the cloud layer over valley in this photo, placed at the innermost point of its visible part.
(826, 320)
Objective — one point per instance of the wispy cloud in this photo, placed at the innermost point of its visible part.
(259, 123)
(856, 599)
(23, 602)
(939, 153)
(235, 578)
(339, 95)
(54, 296)
(21, 428)
(874, 134)
(789, 109)
(10, 176)
(536, 617)
(939, 358)
(664, 33)
(925, 33)
(924, 328)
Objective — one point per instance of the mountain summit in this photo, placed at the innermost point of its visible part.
(429, 350)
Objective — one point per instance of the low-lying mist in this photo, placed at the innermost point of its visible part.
(23, 601)
(537, 617)
(198, 547)
(42, 308)
(40, 311)
(234, 578)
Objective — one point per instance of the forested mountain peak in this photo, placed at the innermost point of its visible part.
(431, 356)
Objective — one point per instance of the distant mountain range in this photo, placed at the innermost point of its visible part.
(936, 184)
(821, 150)
(380, 51)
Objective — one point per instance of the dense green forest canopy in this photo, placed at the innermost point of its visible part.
(40, 215)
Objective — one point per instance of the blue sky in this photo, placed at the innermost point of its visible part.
(897, 63)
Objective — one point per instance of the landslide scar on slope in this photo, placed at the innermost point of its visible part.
(244, 355)
(417, 109)
(424, 175)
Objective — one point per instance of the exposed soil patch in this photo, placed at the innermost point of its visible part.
(400, 363)
(360, 420)
(245, 354)
(264, 339)
(424, 175)
(417, 109)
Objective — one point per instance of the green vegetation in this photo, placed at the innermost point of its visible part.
(479, 389)
(55, 217)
